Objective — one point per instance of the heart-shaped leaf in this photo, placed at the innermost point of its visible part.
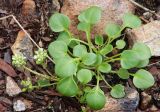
(82, 26)
(129, 59)
(59, 22)
(118, 91)
(58, 49)
(89, 58)
(104, 68)
(143, 79)
(79, 50)
(123, 73)
(63, 36)
(65, 67)
(95, 99)
(98, 60)
(84, 76)
(113, 30)
(131, 21)
(107, 49)
(67, 86)
(143, 63)
(91, 15)
(120, 44)
(143, 50)
(99, 40)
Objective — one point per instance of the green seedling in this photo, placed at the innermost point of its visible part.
(78, 61)
(76, 64)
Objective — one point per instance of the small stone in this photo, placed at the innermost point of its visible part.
(19, 106)
(12, 88)
(153, 109)
(127, 104)
(112, 11)
(145, 101)
(148, 34)
(23, 45)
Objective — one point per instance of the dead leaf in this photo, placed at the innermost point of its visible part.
(28, 7)
(7, 68)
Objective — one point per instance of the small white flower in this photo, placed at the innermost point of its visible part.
(18, 60)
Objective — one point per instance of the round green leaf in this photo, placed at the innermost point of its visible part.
(99, 40)
(129, 59)
(131, 21)
(104, 67)
(63, 36)
(91, 15)
(82, 26)
(143, 50)
(59, 22)
(84, 76)
(123, 73)
(65, 67)
(107, 49)
(67, 87)
(120, 44)
(113, 30)
(143, 63)
(98, 60)
(143, 79)
(118, 91)
(95, 99)
(57, 49)
(89, 58)
(79, 50)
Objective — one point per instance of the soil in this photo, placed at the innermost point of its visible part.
(36, 23)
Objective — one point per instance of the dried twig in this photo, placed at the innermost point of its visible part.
(144, 8)
(14, 18)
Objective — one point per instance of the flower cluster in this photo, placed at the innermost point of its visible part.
(40, 56)
(18, 60)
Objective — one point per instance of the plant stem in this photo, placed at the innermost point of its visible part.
(109, 58)
(112, 60)
(89, 40)
(105, 81)
(36, 73)
(80, 41)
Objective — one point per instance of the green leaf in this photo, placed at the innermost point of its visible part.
(129, 59)
(67, 86)
(65, 67)
(98, 60)
(107, 49)
(120, 44)
(59, 22)
(113, 30)
(143, 79)
(79, 50)
(143, 63)
(143, 50)
(58, 49)
(91, 15)
(95, 99)
(99, 40)
(84, 76)
(73, 43)
(43, 82)
(131, 21)
(104, 67)
(63, 36)
(82, 26)
(123, 73)
(118, 91)
(89, 58)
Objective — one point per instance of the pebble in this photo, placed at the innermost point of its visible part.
(148, 34)
(19, 106)
(127, 104)
(12, 88)
(145, 101)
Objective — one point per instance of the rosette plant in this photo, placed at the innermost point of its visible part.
(78, 62)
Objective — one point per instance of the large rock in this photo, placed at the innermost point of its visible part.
(127, 104)
(148, 34)
(113, 10)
